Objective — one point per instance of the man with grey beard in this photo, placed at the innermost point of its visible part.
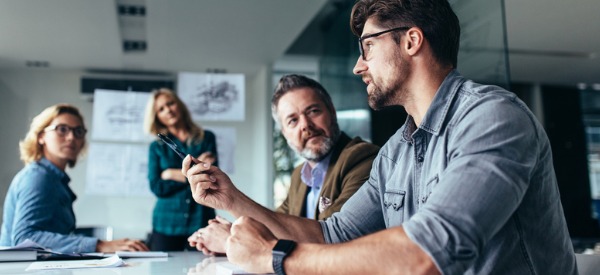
(335, 167)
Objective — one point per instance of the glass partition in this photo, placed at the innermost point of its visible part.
(590, 106)
(483, 52)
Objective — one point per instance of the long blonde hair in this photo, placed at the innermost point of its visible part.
(153, 126)
(30, 148)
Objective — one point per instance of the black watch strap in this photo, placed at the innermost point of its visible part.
(278, 265)
(281, 250)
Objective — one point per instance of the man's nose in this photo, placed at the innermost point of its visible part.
(305, 123)
(360, 66)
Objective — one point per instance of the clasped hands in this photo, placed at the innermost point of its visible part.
(211, 239)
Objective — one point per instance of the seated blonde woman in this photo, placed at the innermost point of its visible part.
(39, 202)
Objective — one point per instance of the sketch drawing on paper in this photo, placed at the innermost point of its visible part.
(213, 96)
(226, 140)
(122, 114)
(119, 116)
(117, 169)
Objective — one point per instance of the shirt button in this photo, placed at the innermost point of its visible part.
(186, 215)
(420, 158)
(187, 201)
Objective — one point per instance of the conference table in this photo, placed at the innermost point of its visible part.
(184, 262)
(196, 263)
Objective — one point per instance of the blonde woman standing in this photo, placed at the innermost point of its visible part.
(39, 202)
(175, 215)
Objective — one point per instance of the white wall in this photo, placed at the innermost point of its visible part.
(25, 93)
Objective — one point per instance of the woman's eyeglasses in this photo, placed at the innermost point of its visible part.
(63, 130)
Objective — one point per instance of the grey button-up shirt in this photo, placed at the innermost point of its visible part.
(473, 186)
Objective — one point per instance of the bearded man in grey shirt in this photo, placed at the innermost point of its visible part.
(466, 186)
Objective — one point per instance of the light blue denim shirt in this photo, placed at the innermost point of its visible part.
(39, 206)
(313, 178)
(473, 186)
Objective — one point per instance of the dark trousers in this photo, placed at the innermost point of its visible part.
(162, 242)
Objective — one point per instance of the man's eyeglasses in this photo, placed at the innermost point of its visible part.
(63, 130)
(361, 46)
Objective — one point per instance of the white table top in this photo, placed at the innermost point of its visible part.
(195, 263)
(187, 262)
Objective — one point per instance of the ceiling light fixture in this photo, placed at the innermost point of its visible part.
(37, 64)
(132, 25)
(216, 71)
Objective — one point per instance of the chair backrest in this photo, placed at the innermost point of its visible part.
(104, 233)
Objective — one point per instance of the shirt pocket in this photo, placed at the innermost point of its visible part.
(393, 202)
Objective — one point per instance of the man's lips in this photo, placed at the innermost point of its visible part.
(308, 138)
(311, 137)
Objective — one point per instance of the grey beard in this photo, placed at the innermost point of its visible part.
(324, 149)
(318, 154)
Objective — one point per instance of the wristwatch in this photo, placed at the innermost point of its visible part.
(280, 251)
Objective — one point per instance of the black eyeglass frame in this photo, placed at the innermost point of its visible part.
(360, 39)
(78, 132)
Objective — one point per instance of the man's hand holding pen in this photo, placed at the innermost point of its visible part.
(210, 186)
(207, 157)
(244, 247)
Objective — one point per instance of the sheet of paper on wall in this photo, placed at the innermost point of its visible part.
(119, 116)
(213, 96)
(117, 169)
(226, 140)
(113, 261)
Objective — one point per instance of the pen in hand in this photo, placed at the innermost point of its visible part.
(176, 149)
(171, 145)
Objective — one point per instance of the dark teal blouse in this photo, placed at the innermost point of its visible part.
(176, 213)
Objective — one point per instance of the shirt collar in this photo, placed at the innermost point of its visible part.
(438, 109)
(52, 169)
(315, 176)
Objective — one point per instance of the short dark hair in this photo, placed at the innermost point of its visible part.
(291, 82)
(435, 18)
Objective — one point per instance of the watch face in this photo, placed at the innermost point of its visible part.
(284, 247)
